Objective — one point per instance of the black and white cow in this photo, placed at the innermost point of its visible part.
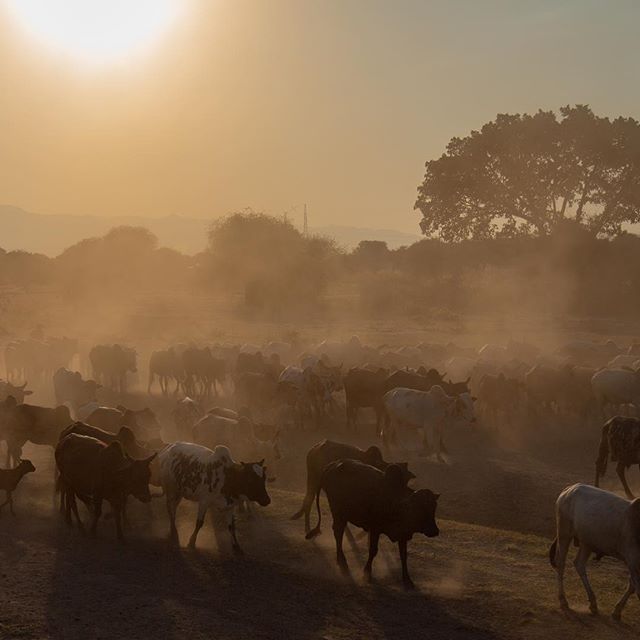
(212, 479)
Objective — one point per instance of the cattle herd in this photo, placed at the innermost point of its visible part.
(207, 407)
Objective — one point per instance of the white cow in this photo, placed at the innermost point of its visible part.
(427, 410)
(602, 523)
(237, 434)
(616, 387)
(213, 480)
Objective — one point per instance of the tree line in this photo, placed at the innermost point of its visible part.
(270, 268)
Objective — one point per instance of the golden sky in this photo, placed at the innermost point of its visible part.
(272, 103)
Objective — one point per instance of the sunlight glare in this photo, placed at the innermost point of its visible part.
(96, 30)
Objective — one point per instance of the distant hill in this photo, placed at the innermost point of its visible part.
(51, 234)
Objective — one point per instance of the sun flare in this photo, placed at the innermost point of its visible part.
(96, 30)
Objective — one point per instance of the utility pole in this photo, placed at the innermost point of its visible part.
(306, 222)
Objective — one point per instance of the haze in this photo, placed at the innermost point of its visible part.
(272, 104)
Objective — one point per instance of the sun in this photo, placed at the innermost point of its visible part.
(96, 30)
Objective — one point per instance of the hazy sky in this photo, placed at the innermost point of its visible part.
(271, 103)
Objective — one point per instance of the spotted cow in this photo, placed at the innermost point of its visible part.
(212, 479)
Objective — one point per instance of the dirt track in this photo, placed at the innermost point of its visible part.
(473, 582)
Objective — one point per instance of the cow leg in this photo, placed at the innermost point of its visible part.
(374, 538)
(202, 511)
(562, 549)
(580, 563)
(406, 579)
(7, 501)
(117, 511)
(97, 512)
(620, 469)
(72, 506)
(172, 506)
(237, 549)
(617, 611)
(338, 533)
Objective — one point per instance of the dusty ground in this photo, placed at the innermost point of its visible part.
(486, 576)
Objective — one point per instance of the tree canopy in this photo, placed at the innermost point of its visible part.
(528, 174)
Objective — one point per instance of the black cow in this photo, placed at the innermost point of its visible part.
(93, 471)
(327, 451)
(378, 502)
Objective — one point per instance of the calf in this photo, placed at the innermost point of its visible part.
(378, 502)
(10, 478)
(327, 451)
(598, 522)
(94, 471)
(620, 440)
(212, 479)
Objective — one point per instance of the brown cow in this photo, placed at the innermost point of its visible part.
(93, 471)
(327, 451)
(378, 502)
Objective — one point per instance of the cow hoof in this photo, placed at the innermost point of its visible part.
(237, 549)
(408, 584)
(594, 609)
(616, 615)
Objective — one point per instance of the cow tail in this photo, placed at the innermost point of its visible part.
(603, 454)
(316, 530)
(552, 553)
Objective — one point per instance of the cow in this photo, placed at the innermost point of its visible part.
(212, 479)
(500, 397)
(257, 391)
(599, 522)
(124, 436)
(111, 363)
(70, 387)
(426, 410)
(620, 440)
(94, 471)
(616, 387)
(142, 422)
(200, 367)
(30, 423)
(9, 480)
(303, 391)
(19, 392)
(378, 502)
(185, 414)
(544, 386)
(165, 365)
(238, 435)
(364, 388)
(327, 451)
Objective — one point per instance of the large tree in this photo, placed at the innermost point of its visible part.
(529, 173)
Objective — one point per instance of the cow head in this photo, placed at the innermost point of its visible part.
(248, 479)
(135, 475)
(464, 407)
(18, 391)
(25, 466)
(420, 513)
